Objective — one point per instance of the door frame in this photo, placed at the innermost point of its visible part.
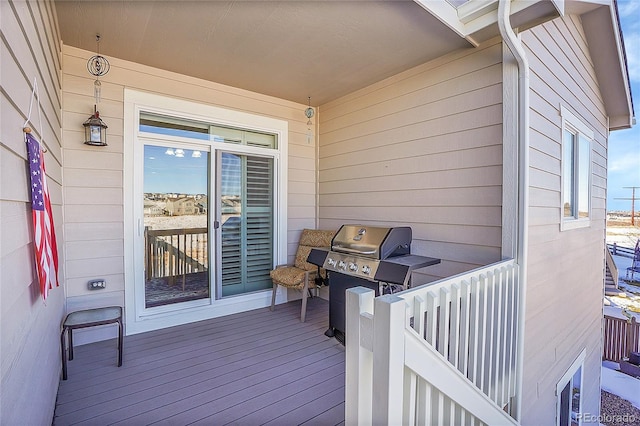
(137, 318)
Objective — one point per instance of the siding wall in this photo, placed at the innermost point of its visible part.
(565, 284)
(94, 215)
(29, 328)
(424, 149)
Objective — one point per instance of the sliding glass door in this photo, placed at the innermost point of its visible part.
(205, 208)
(208, 202)
(176, 225)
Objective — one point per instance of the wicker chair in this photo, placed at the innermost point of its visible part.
(302, 275)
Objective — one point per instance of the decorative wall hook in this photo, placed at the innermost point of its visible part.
(97, 67)
(309, 113)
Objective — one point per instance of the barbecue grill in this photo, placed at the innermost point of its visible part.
(374, 257)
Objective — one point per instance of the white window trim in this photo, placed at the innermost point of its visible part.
(136, 101)
(571, 121)
(568, 375)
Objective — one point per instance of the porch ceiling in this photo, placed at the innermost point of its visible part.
(287, 49)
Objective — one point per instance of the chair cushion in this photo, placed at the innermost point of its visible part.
(316, 238)
(301, 259)
(292, 277)
(311, 238)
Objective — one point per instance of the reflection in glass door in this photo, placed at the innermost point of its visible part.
(176, 246)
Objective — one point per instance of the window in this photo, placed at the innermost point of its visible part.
(568, 392)
(576, 172)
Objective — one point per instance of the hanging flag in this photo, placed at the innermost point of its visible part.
(44, 240)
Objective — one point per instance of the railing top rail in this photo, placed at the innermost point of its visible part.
(465, 276)
(180, 231)
(619, 250)
(629, 320)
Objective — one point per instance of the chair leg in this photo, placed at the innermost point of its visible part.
(64, 354)
(70, 343)
(120, 343)
(273, 295)
(305, 291)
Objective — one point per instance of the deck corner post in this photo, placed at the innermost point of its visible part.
(358, 360)
(388, 359)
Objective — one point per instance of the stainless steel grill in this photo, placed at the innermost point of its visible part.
(356, 250)
(375, 257)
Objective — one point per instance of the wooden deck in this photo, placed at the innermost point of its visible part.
(257, 367)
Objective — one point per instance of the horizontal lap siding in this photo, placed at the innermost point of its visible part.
(422, 149)
(565, 277)
(29, 329)
(94, 208)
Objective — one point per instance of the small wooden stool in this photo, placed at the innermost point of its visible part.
(89, 318)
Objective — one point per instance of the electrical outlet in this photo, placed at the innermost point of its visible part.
(97, 284)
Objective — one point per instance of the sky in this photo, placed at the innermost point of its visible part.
(624, 145)
(187, 173)
(165, 173)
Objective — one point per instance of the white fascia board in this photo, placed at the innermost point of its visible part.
(474, 16)
(622, 61)
(605, 44)
(485, 15)
(446, 13)
(598, 2)
(474, 9)
(559, 5)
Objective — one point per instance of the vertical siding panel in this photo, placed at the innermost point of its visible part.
(30, 362)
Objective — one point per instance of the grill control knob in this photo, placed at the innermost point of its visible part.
(331, 262)
(342, 265)
(353, 267)
(366, 269)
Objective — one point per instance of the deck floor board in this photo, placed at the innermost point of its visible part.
(249, 368)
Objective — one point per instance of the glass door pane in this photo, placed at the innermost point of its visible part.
(246, 207)
(176, 196)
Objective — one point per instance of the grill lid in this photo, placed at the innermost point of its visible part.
(372, 242)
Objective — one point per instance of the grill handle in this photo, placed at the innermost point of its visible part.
(353, 251)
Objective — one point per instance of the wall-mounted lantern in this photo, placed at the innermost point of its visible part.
(95, 131)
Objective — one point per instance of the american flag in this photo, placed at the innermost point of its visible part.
(46, 250)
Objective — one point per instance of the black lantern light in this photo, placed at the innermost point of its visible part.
(95, 131)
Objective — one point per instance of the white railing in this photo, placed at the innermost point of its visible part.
(442, 353)
(613, 268)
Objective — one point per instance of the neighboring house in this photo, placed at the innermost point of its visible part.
(181, 206)
(416, 123)
(153, 207)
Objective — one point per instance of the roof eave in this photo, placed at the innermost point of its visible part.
(604, 37)
(477, 21)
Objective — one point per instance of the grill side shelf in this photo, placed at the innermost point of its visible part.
(394, 273)
(393, 269)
